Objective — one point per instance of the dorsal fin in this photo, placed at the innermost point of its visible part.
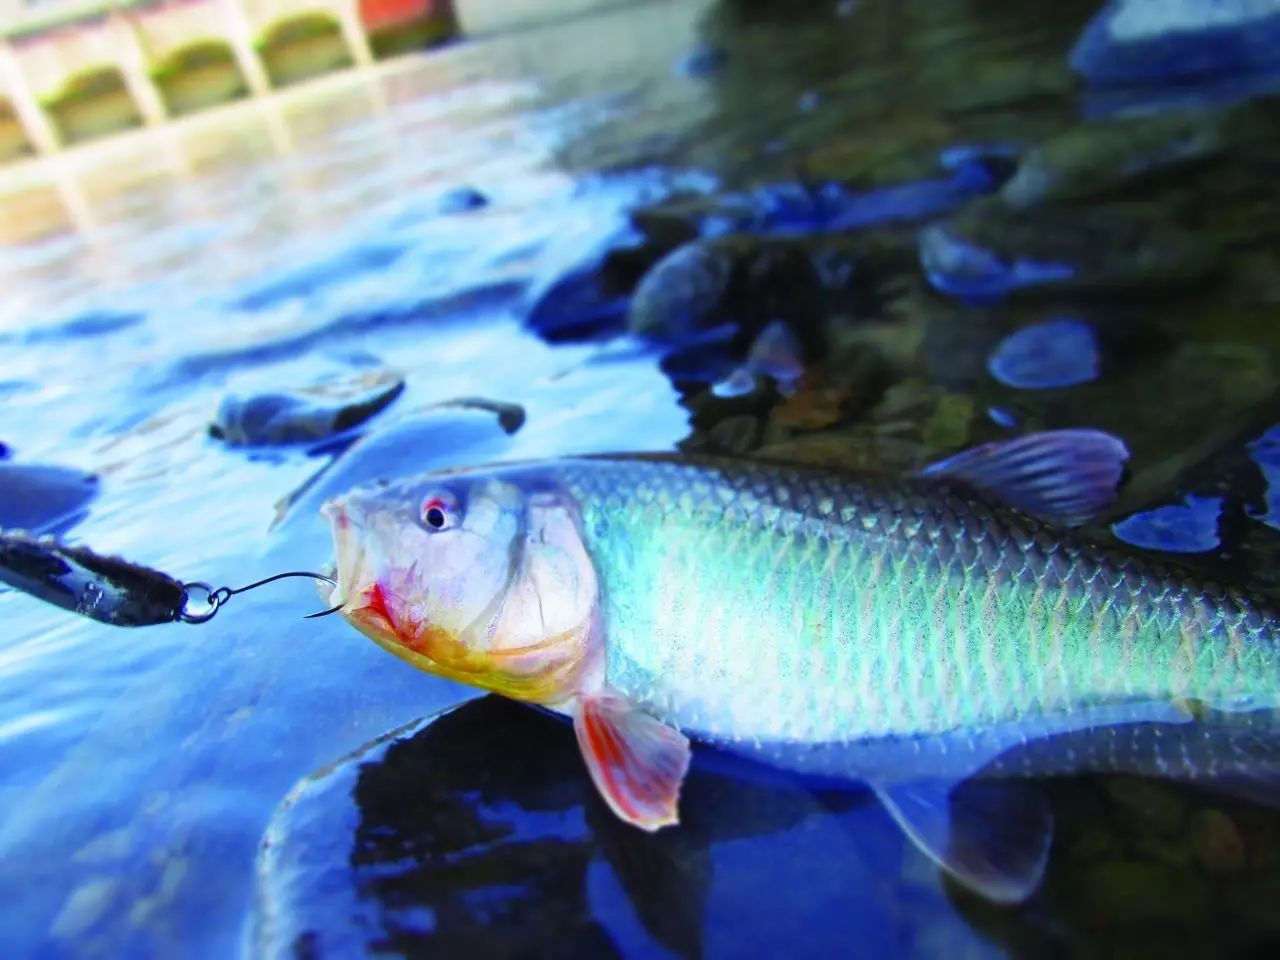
(1067, 477)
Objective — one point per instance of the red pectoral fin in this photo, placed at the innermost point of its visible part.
(636, 761)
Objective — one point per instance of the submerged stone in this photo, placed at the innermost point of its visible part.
(1094, 158)
(315, 412)
(1154, 40)
(578, 306)
(1191, 527)
(43, 499)
(989, 252)
(737, 284)
(1054, 353)
(1265, 452)
(685, 294)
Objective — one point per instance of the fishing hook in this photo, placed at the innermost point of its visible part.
(215, 599)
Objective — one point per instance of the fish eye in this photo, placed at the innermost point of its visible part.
(439, 512)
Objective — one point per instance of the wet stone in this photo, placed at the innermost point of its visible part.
(313, 413)
(1054, 353)
(731, 285)
(1216, 842)
(989, 252)
(577, 306)
(1150, 40)
(685, 294)
(1100, 157)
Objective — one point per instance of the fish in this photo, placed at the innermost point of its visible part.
(945, 637)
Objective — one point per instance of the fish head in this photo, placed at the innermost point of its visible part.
(472, 577)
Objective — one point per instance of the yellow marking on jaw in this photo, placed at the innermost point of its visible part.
(543, 672)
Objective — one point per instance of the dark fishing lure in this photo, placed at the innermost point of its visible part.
(111, 589)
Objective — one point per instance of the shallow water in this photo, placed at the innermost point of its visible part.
(265, 244)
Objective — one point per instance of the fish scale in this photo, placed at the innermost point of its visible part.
(944, 613)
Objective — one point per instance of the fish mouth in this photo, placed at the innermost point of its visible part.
(350, 557)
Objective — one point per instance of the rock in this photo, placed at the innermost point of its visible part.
(578, 306)
(5, 452)
(1119, 894)
(1147, 806)
(989, 252)
(707, 408)
(1191, 527)
(1265, 452)
(1054, 353)
(1153, 40)
(313, 413)
(736, 285)
(461, 200)
(1216, 842)
(686, 293)
(43, 499)
(1096, 158)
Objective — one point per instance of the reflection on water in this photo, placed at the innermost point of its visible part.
(479, 833)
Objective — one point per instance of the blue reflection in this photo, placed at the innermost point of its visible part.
(1189, 527)
(1053, 353)
(1265, 452)
(974, 273)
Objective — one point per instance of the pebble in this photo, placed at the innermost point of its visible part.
(684, 294)
(317, 412)
(1053, 353)
(988, 252)
(1095, 158)
(577, 306)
